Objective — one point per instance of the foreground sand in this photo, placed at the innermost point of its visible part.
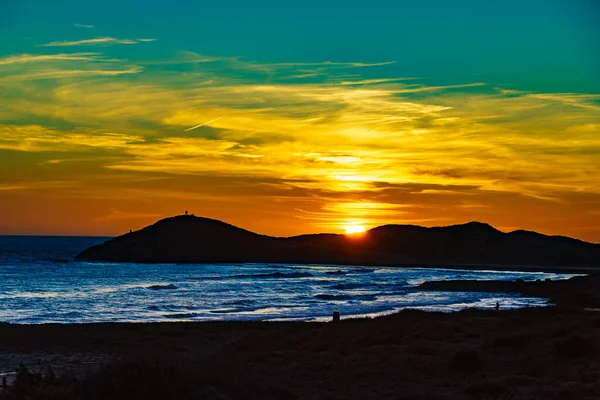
(551, 353)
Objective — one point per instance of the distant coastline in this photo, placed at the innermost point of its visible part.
(475, 245)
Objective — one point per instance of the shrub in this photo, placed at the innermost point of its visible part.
(491, 389)
(466, 361)
(145, 379)
(574, 346)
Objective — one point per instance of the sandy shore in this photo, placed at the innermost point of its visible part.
(549, 353)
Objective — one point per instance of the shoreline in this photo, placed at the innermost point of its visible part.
(591, 270)
(578, 292)
(466, 354)
(504, 291)
(533, 352)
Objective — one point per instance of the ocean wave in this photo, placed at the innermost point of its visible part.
(345, 297)
(394, 285)
(233, 310)
(273, 275)
(180, 315)
(42, 286)
(279, 275)
(162, 287)
(57, 260)
(336, 272)
(264, 311)
(347, 286)
(371, 285)
(239, 302)
(363, 270)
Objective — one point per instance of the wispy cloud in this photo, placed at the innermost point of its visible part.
(62, 65)
(331, 64)
(40, 138)
(65, 73)
(30, 58)
(375, 81)
(337, 145)
(589, 101)
(83, 26)
(101, 41)
(37, 185)
(423, 88)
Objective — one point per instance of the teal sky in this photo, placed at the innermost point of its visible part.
(548, 45)
(296, 117)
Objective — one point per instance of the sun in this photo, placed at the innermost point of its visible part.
(352, 229)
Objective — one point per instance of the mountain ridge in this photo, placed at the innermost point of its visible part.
(191, 239)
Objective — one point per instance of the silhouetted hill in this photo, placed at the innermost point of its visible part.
(186, 239)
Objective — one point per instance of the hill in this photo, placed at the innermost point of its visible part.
(191, 239)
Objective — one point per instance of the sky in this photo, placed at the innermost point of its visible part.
(299, 117)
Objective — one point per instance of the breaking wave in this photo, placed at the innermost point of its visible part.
(162, 287)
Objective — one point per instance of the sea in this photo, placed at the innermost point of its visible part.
(41, 281)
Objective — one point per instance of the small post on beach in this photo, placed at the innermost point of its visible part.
(336, 316)
(497, 306)
(4, 384)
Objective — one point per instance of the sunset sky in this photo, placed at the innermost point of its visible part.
(297, 117)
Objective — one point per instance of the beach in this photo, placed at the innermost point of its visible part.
(550, 352)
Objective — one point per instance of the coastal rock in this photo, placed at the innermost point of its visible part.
(577, 292)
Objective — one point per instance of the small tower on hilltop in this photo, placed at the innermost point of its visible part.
(186, 213)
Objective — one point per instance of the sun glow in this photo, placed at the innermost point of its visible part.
(353, 229)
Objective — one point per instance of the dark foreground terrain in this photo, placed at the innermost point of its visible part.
(545, 353)
(525, 354)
